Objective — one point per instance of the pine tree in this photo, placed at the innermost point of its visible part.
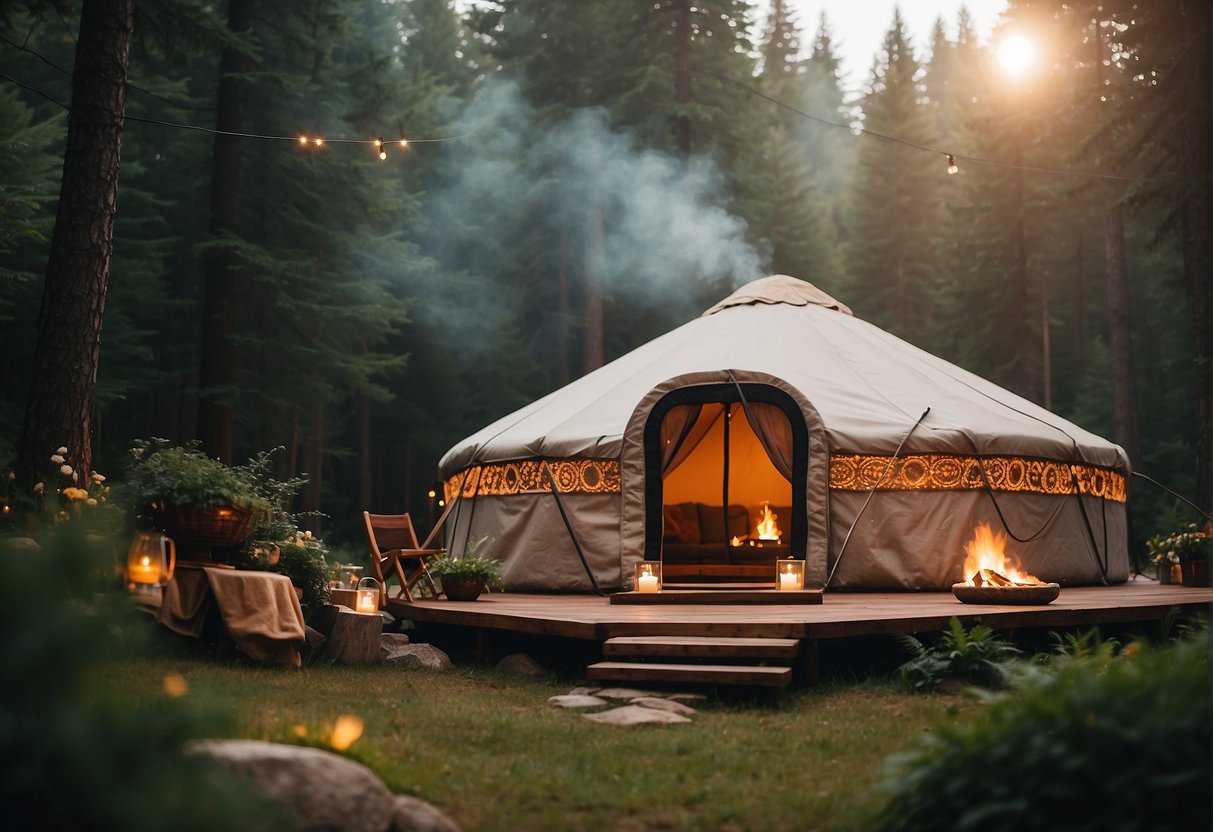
(59, 411)
(893, 205)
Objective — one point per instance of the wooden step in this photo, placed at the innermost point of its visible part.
(706, 674)
(702, 647)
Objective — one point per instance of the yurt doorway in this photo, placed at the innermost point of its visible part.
(725, 473)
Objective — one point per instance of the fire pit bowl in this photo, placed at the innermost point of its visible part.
(1024, 594)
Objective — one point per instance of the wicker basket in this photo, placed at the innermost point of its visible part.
(216, 527)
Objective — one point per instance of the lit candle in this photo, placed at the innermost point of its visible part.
(648, 583)
(787, 581)
(142, 572)
(368, 600)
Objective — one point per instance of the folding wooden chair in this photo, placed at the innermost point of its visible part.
(394, 547)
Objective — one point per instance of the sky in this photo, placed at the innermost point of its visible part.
(859, 26)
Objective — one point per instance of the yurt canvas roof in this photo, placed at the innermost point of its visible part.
(869, 387)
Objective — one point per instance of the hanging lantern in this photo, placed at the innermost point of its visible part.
(150, 561)
(367, 599)
(648, 576)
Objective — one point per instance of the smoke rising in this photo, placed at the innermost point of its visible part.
(664, 228)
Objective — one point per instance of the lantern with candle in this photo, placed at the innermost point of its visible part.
(789, 574)
(367, 599)
(150, 561)
(648, 576)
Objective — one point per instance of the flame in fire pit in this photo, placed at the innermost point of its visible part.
(766, 528)
(987, 560)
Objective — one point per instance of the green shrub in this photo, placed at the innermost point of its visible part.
(163, 474)
(73, 758)
(976, 656)
(1120, 745)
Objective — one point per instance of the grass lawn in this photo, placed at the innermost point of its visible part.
(489, 750)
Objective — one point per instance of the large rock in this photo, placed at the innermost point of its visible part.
(319, 789)
(419, 655)
(633, 715)
(391, 641)
(520, 664)
(412, 814)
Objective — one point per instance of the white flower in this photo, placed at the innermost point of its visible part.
(62, 449)
(98, 477)
(75, 477)
(57, 459)
(66, 470)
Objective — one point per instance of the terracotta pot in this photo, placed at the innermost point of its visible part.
(1195, 572)
(462, 589)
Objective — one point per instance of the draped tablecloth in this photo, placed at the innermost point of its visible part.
(259, 611)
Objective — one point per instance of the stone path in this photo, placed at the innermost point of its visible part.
(642, 706)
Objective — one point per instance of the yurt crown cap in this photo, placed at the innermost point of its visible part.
(779, 289)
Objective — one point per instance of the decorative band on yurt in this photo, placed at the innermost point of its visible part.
(946, 472)
(848, 472)
(527, 476)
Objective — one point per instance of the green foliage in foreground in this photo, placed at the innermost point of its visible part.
(72, 757)
(976, 656)
(1101, 745)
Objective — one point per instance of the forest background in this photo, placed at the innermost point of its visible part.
(582, 177)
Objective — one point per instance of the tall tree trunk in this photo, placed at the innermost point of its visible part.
(59, 409)
(562, 304)
(1119, 338)
(217, 371)
(1025, 377)
(1046, 346)
(364, 451)
(1080, 306)
(1197, 163)
(314, 460)
(592, 350)
(682, 76)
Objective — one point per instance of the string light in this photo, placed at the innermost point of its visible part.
(952, 167)
(404, 142)
(382, 148)
(319, 142)
(303, 140)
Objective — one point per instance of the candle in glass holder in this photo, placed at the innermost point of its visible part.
(648, 577)
(789, 575)
(368, 600)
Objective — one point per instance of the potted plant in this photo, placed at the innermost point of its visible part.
(465, 578)
(198, 501)
(1190, 549)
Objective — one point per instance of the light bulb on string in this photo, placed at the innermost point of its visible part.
(303, 140)
(319, 142)
(404, 142)
(382, 148)
(952, 167)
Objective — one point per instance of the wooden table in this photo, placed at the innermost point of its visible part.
(259, 611)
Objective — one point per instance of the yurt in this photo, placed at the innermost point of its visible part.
(778, 425)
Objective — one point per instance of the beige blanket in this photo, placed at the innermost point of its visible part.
(259, 610)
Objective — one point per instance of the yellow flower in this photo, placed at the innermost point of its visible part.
(346, 731)
(75, 494)
(39, 487)
(175, 685)
(91, 501)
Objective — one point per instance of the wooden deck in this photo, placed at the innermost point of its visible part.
(842, 615)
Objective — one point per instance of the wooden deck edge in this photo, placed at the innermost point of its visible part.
(712, 597)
